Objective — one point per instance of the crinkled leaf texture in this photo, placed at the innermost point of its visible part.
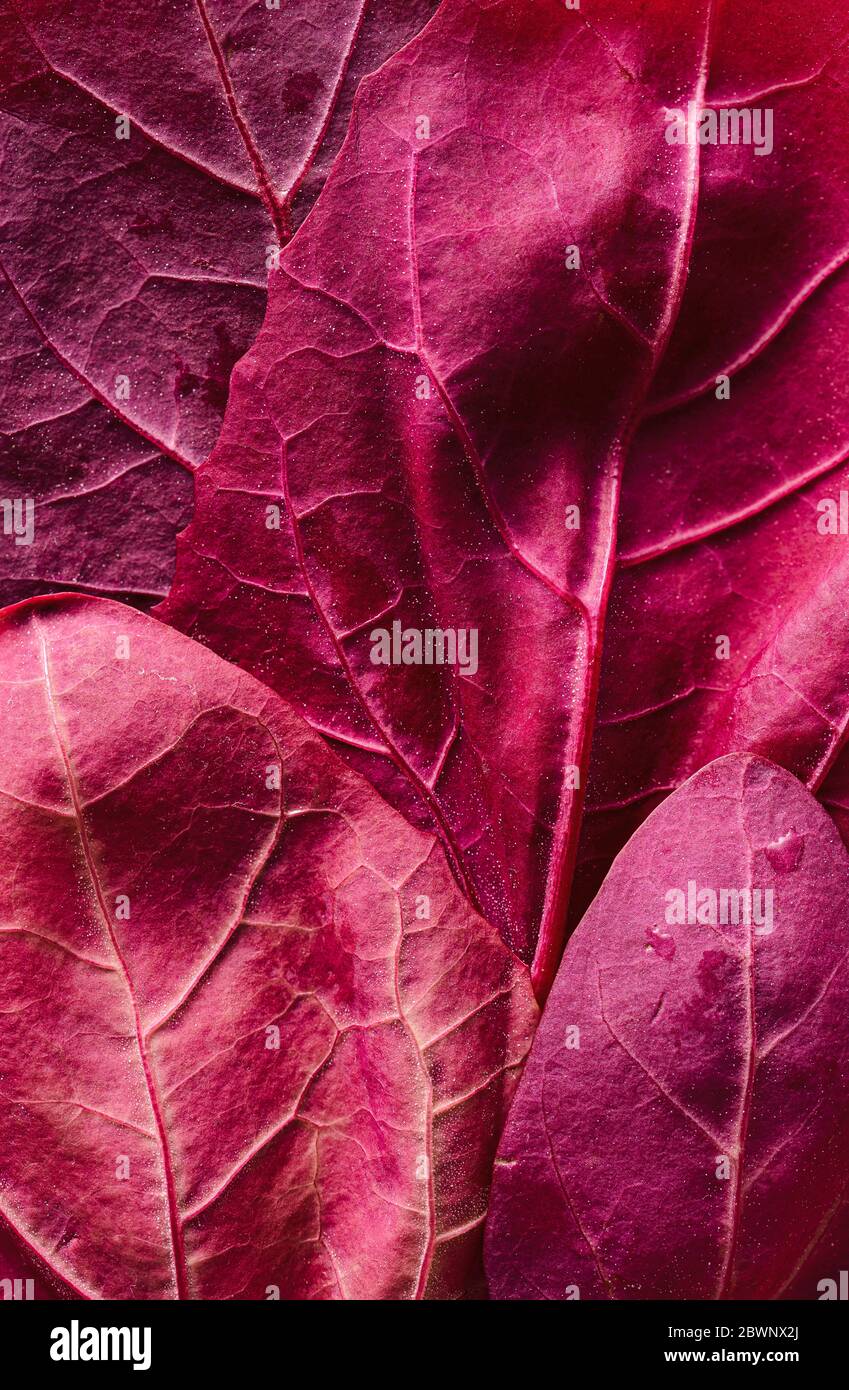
(689, 1141)
(435, 410)
(133, 270)
(725, 488)
(251, 1034)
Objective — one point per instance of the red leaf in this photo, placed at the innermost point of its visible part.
(719, 522)
(436, 385)
(251, 1035)
(660, 1151)
(134, 257)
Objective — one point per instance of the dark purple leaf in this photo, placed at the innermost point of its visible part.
(154, 157)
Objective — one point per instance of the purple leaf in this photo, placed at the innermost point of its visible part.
(154, 157)
(680, 1130)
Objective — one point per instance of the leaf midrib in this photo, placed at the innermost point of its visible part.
(178, 1253)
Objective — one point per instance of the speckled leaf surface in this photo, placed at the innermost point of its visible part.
(252, 1038)
(681, 1127)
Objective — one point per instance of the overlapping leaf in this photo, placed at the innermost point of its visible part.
(253, 1041)
(434, 415)
(154, 155)
(681, 1127)
(246, 1007)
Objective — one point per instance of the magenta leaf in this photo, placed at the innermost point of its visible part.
(689, 1082)
(154, 157)
(253, 1041)
(428, 433)
(741, 455)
